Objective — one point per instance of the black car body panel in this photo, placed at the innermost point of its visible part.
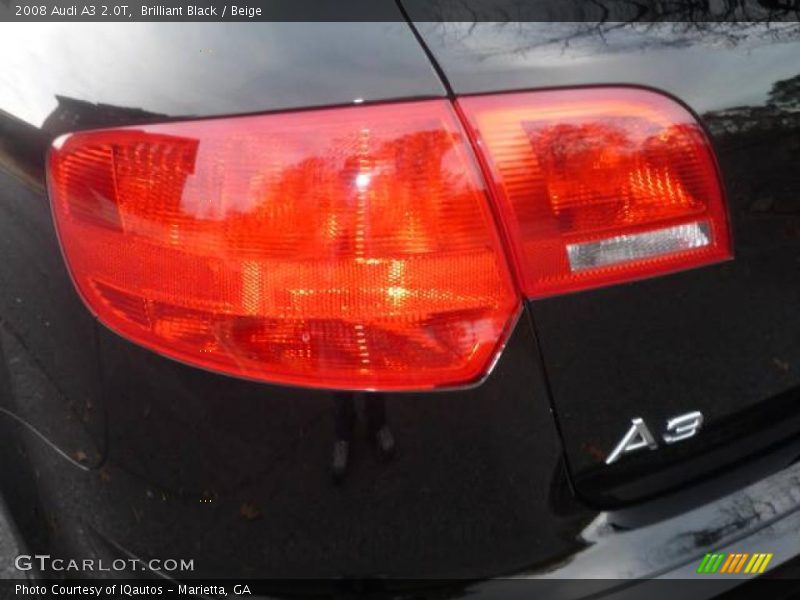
(139, 455)
(723, 339)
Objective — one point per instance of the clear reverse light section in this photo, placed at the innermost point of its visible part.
(638, 246)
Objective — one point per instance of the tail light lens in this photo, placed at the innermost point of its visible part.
(355, 248)
(599, 186)
(346, 248)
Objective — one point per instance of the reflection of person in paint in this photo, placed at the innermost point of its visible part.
(378, 431)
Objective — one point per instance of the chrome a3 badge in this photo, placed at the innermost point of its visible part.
(639, 435)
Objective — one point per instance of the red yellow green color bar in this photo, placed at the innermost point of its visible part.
(734, 562)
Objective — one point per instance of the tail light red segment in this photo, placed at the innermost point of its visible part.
(347, 248)
(356, 248)
(599, 186)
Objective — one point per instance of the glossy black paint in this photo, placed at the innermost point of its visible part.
(158, 71)
(157, 459)
(722, 339)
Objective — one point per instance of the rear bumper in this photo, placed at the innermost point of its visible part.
(663, 557)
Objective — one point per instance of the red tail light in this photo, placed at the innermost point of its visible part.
(355, 248)
(599, 186)
(345, 248)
